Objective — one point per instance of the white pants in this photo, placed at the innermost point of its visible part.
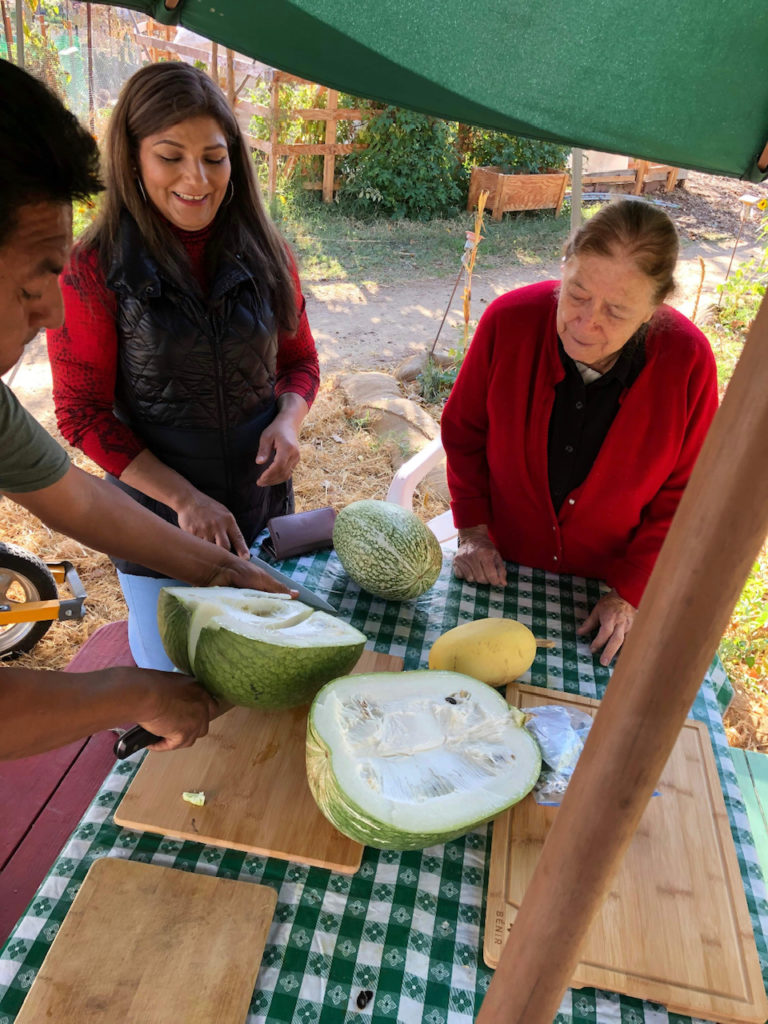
(141, 593)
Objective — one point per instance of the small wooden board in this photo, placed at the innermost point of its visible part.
(674, 927)
(252, 768)
(144, 944)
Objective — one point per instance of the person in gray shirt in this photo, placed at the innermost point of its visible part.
(47, 160)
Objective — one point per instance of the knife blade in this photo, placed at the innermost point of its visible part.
(306, 595)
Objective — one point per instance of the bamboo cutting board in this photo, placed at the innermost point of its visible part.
(144, 944)
(674, 927)
(251, 767)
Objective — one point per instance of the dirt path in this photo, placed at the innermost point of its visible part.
(376, 327)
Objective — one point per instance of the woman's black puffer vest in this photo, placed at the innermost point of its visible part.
(195, 380)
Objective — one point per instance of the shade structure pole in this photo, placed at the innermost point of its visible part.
(20, 33)
(715, 536)
(7, 29)
(577, 164)
(89, 39)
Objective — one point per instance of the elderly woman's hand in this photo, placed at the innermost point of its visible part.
(477, 560)
(612, 617)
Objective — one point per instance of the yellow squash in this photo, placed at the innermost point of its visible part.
(493, 650)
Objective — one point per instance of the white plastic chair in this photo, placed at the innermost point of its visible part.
(406, 480)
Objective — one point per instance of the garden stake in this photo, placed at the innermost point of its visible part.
(469, 256)
(468, 263)
(445, 314)
(698, 293)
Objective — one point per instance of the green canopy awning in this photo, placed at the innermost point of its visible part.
(682, 83)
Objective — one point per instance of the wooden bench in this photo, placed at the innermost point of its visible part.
(42, 798)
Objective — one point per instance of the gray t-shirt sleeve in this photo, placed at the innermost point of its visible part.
(30, 459)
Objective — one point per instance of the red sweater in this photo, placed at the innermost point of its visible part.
(495, 427)
(83, 356)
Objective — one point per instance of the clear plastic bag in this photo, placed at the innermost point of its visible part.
(560, 733)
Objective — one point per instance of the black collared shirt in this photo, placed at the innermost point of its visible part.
(582, 415)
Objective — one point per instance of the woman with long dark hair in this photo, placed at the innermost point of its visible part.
(186, 365)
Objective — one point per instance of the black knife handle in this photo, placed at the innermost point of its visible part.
(134, 739)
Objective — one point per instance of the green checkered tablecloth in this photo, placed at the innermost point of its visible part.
(406, 927)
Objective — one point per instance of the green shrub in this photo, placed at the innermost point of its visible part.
(512, 154)
(742, 293)
(435, 381)
(409, 168)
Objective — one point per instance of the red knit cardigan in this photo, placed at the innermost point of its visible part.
(495, 427)
(83, 356)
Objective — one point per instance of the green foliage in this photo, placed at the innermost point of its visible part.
(741, 294)
(409, 168)
(510, 153)
(744, 648)
(435, 381)
(41, 56)
(291, 130)
(83, 214)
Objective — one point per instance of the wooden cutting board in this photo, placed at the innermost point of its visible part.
(251, 767)
(144, 944)
(674, 928)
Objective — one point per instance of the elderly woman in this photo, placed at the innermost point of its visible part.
(577, 417)
(186, 364)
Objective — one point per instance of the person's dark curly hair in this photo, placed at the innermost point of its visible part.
(45, 153)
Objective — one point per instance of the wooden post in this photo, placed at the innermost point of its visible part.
(274, 123)
(153, 55)
(231, 78)
(577, 166)
(89, 46)
(20, 33)
(215, 62)
(8, 30)
(641, 169)
(329, 159)
(715, 536)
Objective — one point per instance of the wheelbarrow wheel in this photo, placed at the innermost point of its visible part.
(23, 577)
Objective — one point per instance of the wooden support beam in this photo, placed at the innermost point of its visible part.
(303, 148)
(641, 169)
(714, 539)
(274, 114)
(8, 30)
(307, 113)
(231, 78)
(672, 178)
(329, 157)
(214, 72)
(89, 46)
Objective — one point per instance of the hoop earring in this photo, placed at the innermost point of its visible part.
(231, 195)
(140, 187)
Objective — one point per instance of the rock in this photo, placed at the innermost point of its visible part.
(362, 388)
(376, 399)
(411, 367)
